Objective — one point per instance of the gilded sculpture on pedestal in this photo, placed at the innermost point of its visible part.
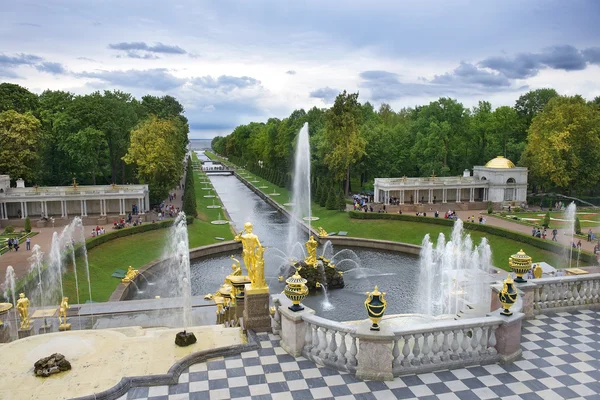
(130, 275)
(23, 308)
(62, 315)
(253, 256)
(236, 267)
(311, 248)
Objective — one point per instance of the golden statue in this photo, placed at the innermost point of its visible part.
(130, 275)
(322, 232)
(311, 248)
(253, 256)
(537, 271)
(23, 308)
(62, 315)
(236, 267)
(74, 183)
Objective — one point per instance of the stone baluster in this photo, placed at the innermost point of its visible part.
(324, 353)
(426, 358)
(536, 298)
(396, 354)
(552, 295)
(595, 294)
(483, 340)
(492, 340)
(576, 294)
(567, 295)
(405, 351)
(353, 352)
(584, 293)
(315, 341)
(475, 343)
(416, 350)
(276, 319)
(445, 347)
(435, 348)
(544, 296)
(342, 350)
(308, 339)
(332, 347)
(465, 343)
(454, 346)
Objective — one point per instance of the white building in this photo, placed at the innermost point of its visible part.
(499, 181)
(67, 201)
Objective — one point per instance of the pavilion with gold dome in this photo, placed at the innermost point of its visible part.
(499, 181)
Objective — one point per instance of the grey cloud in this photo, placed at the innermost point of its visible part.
(326, 94)
(225, 83)
(8, 73)
(28, 24)
(526, 65)
(143, 46)
(51, 68)
(290, 72)
(379, 76)
(469, 74)
(135, 54)
(154, 79)
(86, 59)
(19, 59)
(592, 55)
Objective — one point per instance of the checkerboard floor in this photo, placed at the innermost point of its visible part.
(561, 360)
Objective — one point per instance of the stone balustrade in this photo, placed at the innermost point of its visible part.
(566, 293)
(445, 344)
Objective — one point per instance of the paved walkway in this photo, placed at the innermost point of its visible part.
(561, 360)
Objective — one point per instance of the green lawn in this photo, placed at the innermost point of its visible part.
(558, 219)
(140, 249)
(405, 231)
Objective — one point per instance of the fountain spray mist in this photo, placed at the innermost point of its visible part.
(178, 254)
(9, 285)
(571, 214)
(301, 189)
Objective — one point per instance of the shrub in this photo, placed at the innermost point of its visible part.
(9, 229)
(323, 195)
(331, 203)
(517, 209)
(546, 222)
(490, 209)
(577, 226)
(503, 214)
(27, 224)
(341, 201)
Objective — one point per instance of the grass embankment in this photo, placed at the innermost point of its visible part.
(404, 231)
(558, 219)
(139, 249)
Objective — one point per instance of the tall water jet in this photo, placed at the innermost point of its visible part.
(55, 269)
(37, 259)
(570, 215)
(178, 254)
(454, 275)
(9, 286)
(301, 209)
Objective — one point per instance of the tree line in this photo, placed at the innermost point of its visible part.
(97, 138)
(556, 137)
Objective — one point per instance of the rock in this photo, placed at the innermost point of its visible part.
(53, 364)
(314, 275)
(184, 338)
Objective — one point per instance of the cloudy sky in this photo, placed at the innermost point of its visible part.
(231, 62)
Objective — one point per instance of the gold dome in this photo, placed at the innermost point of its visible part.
(500, 162)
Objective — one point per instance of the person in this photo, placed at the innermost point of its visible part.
(10, 244)
(16, 244)
(93, 233)
(544, 234)
(538, 233)
(28, 243)
(589, 238)
(579, 245)
(533, 231)
(554, 233)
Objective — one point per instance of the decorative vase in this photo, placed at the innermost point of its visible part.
(375, 305)
(508, 296)
(296, 290)
(520, 263)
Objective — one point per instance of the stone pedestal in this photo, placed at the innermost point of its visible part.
(526, 291)
(375, 353)
(4, 334)
(64, 327)
(23, 333)
(256, 309)
(508, 336)
(293, 330)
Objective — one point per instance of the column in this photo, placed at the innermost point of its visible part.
(416, 196)
(41, 209)
(85, 207)
(22, 210)
(2, 211)
(472, 195)
(402, 196)
(444, 195)
(458, 194)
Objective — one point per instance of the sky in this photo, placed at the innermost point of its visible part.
(232, 62)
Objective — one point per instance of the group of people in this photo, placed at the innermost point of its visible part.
(97, 231)
(13, 244)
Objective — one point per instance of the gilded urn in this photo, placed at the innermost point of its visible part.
(375, 305)
(508, 296)
(520, 263)
(296, 290)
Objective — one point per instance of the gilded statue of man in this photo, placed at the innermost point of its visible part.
(253, 252)
(311, 247)
(62, 311)
(23, 307)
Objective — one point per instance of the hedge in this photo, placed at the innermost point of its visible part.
(492, 230)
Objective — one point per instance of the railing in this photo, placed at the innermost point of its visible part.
(330, 343)
(447, 344)
(566, 292)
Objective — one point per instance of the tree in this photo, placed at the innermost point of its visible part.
(563, 145)
(577, 226)
(17, 98)
(158, 158)
(346, 147)
(19, 145)
(341, 200)
(532, 103)
(87, 150)
(189, 192)
(504, 126)
(27, 227)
